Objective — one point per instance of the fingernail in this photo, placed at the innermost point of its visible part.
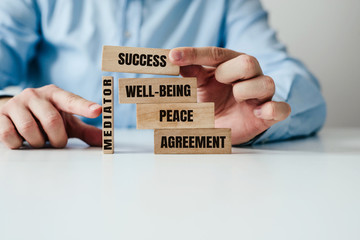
(176, 55)
(94, 106)
(257, 112)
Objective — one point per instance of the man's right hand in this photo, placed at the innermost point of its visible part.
(46, 114)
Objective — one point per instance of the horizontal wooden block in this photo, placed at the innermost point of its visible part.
(175, 115)
(108, 115)
(192, 141)
(157, 90)
(138, 60)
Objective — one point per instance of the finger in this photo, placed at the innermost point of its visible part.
(89, 134)
(50, 120)
(27, 126)
(8, 134)
(240, 68)
(71, 103)
(273, 112)
(202, 74)
(261, 88)
(207, 56)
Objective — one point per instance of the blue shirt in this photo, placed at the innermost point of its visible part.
(60, 42)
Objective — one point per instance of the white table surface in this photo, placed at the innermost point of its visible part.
(302, 189)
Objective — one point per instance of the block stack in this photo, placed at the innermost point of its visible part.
(167, 105)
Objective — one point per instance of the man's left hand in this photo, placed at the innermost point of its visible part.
(236, 84)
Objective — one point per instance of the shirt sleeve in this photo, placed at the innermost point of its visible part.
(19, 34)
(247, 30)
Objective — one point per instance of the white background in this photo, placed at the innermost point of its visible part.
(325, 35)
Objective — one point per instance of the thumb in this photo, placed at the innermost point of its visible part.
(206, 56)
(89, 134)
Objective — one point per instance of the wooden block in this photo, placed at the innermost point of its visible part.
(175, 115)
(108, 115)
(157, 90)
(192, 141)
(138, 60)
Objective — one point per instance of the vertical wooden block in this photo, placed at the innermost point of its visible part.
(108, 115)
(138, 60)
(157, 90)
(175, 115)
(192, 141)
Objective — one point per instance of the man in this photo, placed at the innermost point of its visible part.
(249, 75)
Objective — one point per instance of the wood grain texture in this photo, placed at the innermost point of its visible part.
(192, 141)
(157, 90)
(108, 115)
(138, 60)
(175, 115)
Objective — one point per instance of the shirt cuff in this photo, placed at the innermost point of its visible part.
(5, 94)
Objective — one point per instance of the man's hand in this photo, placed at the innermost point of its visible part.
(235, 83)
(38, 115)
